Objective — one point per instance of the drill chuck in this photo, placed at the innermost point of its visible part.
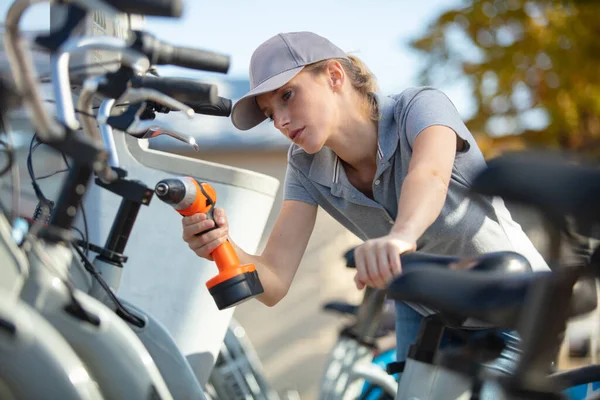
(162, 189)
(171, 191)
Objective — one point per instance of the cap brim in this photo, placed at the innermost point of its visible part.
(245, 113)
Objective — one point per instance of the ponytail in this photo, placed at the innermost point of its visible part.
(363, 81)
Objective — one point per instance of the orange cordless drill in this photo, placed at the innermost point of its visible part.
(235, 283)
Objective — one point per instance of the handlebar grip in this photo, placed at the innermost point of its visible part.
(219, 108)
(349, 256)
(156, 8)
(351, 262)
(184, 90)
(161, 53)
(197, 59)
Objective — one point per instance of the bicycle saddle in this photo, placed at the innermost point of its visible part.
(427, 293)
(554, 185)
(493, 290)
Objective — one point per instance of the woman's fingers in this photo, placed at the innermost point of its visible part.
(377, 262)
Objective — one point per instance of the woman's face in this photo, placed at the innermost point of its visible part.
(303, 110)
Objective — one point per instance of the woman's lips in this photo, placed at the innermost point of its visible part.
(295, 134)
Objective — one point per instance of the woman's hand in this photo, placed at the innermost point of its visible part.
(378, 260)
(206, 243)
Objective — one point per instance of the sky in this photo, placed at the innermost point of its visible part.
(377, 31)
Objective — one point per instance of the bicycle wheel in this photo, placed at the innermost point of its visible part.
(583, 383)
(338, 381)
(238, 372)
(373, 390)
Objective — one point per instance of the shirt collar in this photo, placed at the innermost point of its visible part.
(325, 165)
(387, 132)
(324, 168)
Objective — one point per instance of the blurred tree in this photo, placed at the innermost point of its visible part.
(533, 68)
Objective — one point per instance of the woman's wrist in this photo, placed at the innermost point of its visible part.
(406, 234)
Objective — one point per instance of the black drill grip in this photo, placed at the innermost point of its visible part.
(211, 211)
(155, 8)
(187, 91)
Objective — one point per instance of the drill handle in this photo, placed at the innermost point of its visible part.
(210, 215)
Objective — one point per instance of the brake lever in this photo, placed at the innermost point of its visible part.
(142, 94)
(131, 123)
(155, 131)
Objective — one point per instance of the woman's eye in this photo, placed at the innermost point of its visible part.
(287, 94)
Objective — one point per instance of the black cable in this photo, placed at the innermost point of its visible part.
(121, 310)
(46, 205)
(76, 229)
(85, 228)
(36, 187)
(40, 194)
(65, 160)
(39, 178)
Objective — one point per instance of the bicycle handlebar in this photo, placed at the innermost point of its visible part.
(162, 53)
(187, 91)
(156, 8)
(219, 108)
(349, 256)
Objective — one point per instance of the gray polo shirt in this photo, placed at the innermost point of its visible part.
(467, 225)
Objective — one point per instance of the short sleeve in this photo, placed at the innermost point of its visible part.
(432, 107)
(293, 188)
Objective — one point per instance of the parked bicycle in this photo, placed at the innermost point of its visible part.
(66, 330)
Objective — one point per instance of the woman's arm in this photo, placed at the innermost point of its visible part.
(278, 263)
(425, 187)
(281, 257)
(421, 200)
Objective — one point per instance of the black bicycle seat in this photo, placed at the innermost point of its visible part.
(491, 297)
(494, 298)
(498, 262)
(554, 185)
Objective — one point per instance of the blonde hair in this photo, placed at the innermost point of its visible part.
(363, 81)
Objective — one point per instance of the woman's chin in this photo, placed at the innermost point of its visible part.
(310, 148)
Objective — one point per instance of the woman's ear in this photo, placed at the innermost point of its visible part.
(336, 75)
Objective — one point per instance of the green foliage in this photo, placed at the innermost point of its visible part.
(525, 61)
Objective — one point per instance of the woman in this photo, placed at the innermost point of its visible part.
(394, 170)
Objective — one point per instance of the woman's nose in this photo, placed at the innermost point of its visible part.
(281, 121)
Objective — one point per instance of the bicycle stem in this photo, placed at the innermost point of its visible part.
(107, 133)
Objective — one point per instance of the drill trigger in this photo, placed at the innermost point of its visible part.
(209, 202)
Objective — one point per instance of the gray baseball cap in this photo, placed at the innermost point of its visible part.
(273, 64)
